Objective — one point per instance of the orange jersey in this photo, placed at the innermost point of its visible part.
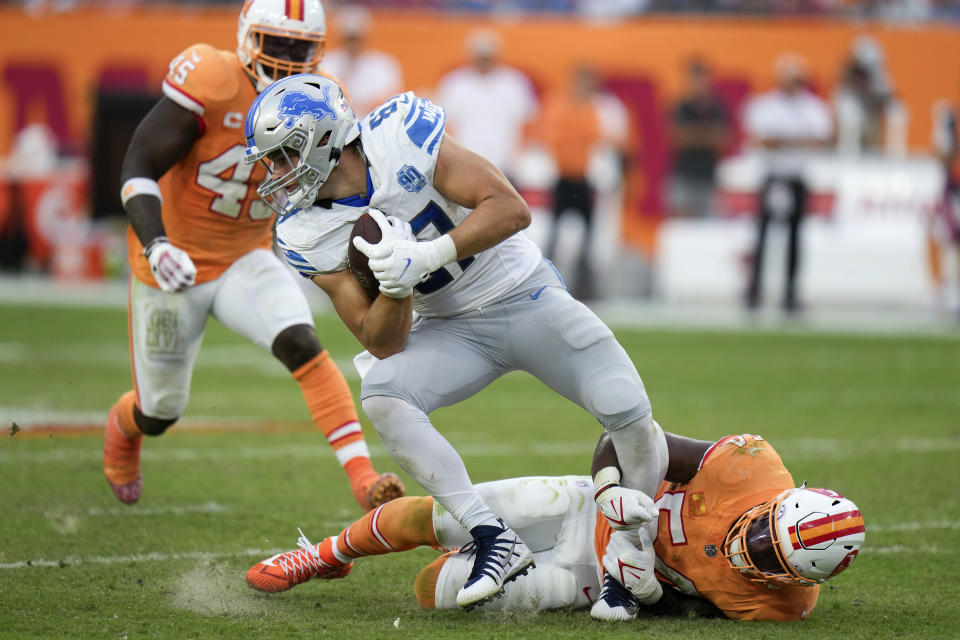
(736, 474)
(210, 205)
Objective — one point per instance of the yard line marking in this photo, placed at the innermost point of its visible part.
(139, 557)
(170, 510)
(242, 553)
(914, 526)
(899, 548)
(791, 449)
(30, 417)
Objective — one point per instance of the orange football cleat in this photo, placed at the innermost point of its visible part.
(121, 461)
(286, 570)
(383, 488)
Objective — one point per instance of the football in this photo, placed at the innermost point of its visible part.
(368, 229)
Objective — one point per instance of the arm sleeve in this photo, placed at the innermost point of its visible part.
(313, 253)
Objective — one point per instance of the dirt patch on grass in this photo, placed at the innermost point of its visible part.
(217, 590)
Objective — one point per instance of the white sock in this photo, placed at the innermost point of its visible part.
(421, 451)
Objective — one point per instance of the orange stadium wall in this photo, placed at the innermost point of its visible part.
(52, 63)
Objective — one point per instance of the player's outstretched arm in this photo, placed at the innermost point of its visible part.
(473, 182)
(381, 327)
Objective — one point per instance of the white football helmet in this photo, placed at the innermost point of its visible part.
(803, 536)
(300, 123)
(278, 38)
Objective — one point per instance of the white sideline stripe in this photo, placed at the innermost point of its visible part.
(174, 510)
(792, 449)
(914, 526)
(265, 553)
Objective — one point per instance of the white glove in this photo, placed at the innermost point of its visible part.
(623, 508)
(172, 267)
(630, 559)
(400, 262)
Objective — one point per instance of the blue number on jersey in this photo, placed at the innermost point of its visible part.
(387, 110)
(433, 214)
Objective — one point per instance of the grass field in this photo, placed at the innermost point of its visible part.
(877, 418)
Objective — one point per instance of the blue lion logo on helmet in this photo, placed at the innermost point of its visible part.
(295, 104)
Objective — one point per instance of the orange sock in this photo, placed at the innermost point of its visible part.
(125, 420)
(121, 444)
(331, 406)
(398, 525)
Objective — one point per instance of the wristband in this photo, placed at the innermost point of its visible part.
(604, 479)
(139, 187)
(150, 245)
(446, 250)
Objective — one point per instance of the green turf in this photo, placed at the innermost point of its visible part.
(873, 417)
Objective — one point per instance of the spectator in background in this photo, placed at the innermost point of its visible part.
(370, 77)
(571, 129)
(700, 130)
(786, 125)
(944, 239)
(869, 115)
(487, 103)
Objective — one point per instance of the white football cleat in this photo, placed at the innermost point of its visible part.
(630, 559)
(499, 557)
(614, 603)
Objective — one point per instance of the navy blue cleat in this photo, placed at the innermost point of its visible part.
(499, 557)
(615, 601)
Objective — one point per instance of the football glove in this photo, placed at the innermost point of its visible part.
(172, 267)
(630, 559)
(398, 261)
(623, 508)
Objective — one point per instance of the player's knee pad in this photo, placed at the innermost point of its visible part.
(385, 378)
(616, 396)
(389, 415)
(152, 426)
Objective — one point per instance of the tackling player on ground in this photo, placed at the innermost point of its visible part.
(734, 538)
(199, 245)
(453, 250)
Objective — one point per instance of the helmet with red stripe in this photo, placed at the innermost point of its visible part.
(279, 38)
(803, 536)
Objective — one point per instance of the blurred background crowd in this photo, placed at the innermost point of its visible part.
(894, 10)
(789, 153)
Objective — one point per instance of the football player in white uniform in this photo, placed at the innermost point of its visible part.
(453, 251)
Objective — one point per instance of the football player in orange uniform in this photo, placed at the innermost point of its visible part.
(734, 536)
(200, 245)
(714, 551)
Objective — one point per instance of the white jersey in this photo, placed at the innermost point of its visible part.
(401, 141)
